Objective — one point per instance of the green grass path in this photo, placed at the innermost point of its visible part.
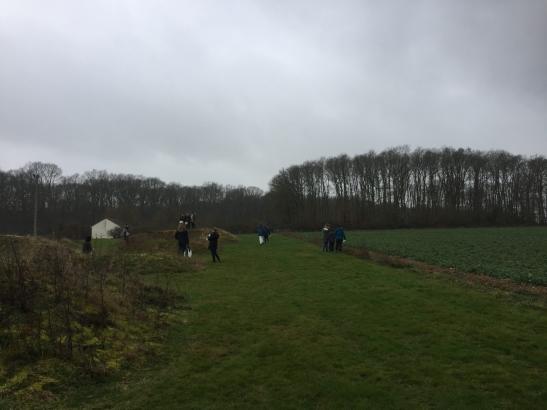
(286, 326)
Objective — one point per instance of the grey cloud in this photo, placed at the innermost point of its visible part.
(232, 91)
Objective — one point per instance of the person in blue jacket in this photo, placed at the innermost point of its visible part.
(340, 237)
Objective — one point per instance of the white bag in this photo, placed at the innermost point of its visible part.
(261, 240)
(189, 252)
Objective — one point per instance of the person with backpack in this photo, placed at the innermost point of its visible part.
(213, 244)
(183, 239)
(340, 238)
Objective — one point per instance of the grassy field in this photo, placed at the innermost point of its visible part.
(516, 253)
(287, 326)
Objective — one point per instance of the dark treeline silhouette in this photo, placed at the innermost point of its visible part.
(393, 188)
(420, 188)
(69, 205)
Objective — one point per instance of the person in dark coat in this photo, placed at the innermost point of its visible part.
(125, 233)
(267, 233)
(87, 248)
(213, 244)
(331, 238)
(261, 232)
(340, 238)
(326, 231)
(183, 239)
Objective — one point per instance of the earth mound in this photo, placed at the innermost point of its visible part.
(164, 240)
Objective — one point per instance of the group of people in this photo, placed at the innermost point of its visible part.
(263, 233)
(189, 219)
(333, 239)
(183, 239)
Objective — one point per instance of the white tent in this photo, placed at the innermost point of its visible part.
(101, 230)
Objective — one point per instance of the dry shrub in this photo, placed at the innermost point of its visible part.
(91, 312)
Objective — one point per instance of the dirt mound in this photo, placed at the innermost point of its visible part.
(164, 241)
(29, 245)
(195, 234)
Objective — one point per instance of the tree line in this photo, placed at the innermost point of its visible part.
(69, 205)
(393, 188)
(420, 188)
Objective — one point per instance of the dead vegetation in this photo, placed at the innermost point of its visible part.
(87, 315)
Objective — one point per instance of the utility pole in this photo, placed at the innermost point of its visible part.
(35, 176)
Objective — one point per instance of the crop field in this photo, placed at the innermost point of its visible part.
(516, 253)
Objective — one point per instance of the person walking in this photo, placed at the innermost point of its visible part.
(340, 238)
(125, 233)
(331, 238)
(213, 244)
(267, 233)
(261, 232)
(87, 248)
(183, 239)
(326, 231)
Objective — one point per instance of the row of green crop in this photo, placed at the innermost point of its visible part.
(516, 253)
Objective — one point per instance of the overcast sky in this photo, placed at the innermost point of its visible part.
(232, 91)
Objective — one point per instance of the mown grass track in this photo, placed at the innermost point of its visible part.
(286, 326)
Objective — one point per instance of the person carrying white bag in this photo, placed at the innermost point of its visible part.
(261, 231)
(183, 239)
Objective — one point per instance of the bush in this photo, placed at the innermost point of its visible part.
(116, 232)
